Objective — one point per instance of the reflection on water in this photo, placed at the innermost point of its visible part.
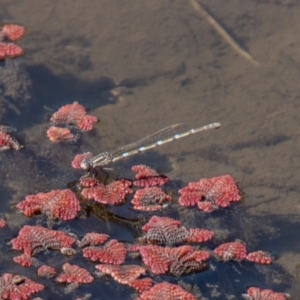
(164, 66)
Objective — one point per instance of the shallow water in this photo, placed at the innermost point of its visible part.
(173, 67)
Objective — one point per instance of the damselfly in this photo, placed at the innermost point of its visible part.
(158, 138)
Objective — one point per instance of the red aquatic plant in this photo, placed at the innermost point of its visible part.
(141, 285)
(124, 274)
(128, 275)
(18, 287)
(207, 206)
(147, 177)
(231, 251)
(76, 163)
(34, 239)
(74, 276)
(12, 32)
(26, 260)
(88, 182)
(166, 291)
(150, 199)
(61, 204)
(177, 261)
(6, 141)
(93, 239)
(75, 114)
(219, 191)
(46, 271)
(259, 257)
(164, 230)
(113, 252)
(2, 223)
(10, 50)
(112, 194)
(58, 134)
(254, 293)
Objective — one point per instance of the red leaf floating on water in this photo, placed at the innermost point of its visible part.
(6, 141)
(147, 177)
(111, 194)
(46, 271)
(34, 239)
(150, 199)
(254, 293)
(12, 32)
(79, 158)
(178, 261)
(113, 252)
(10, 50)
(259, 257)
(166, 291)
(74, 274)
(164, 230)
(231, 251)
(220, 191)
(61, 204)
(75, 114)
(122, 274)
(18, 287)
(58, 134)
(93, 239)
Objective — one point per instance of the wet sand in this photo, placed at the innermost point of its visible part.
(175, 68)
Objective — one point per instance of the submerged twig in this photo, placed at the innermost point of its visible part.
(222, 31)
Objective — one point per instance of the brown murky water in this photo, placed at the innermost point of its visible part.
(173, 67)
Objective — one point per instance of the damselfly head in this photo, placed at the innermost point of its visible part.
(85, 164)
